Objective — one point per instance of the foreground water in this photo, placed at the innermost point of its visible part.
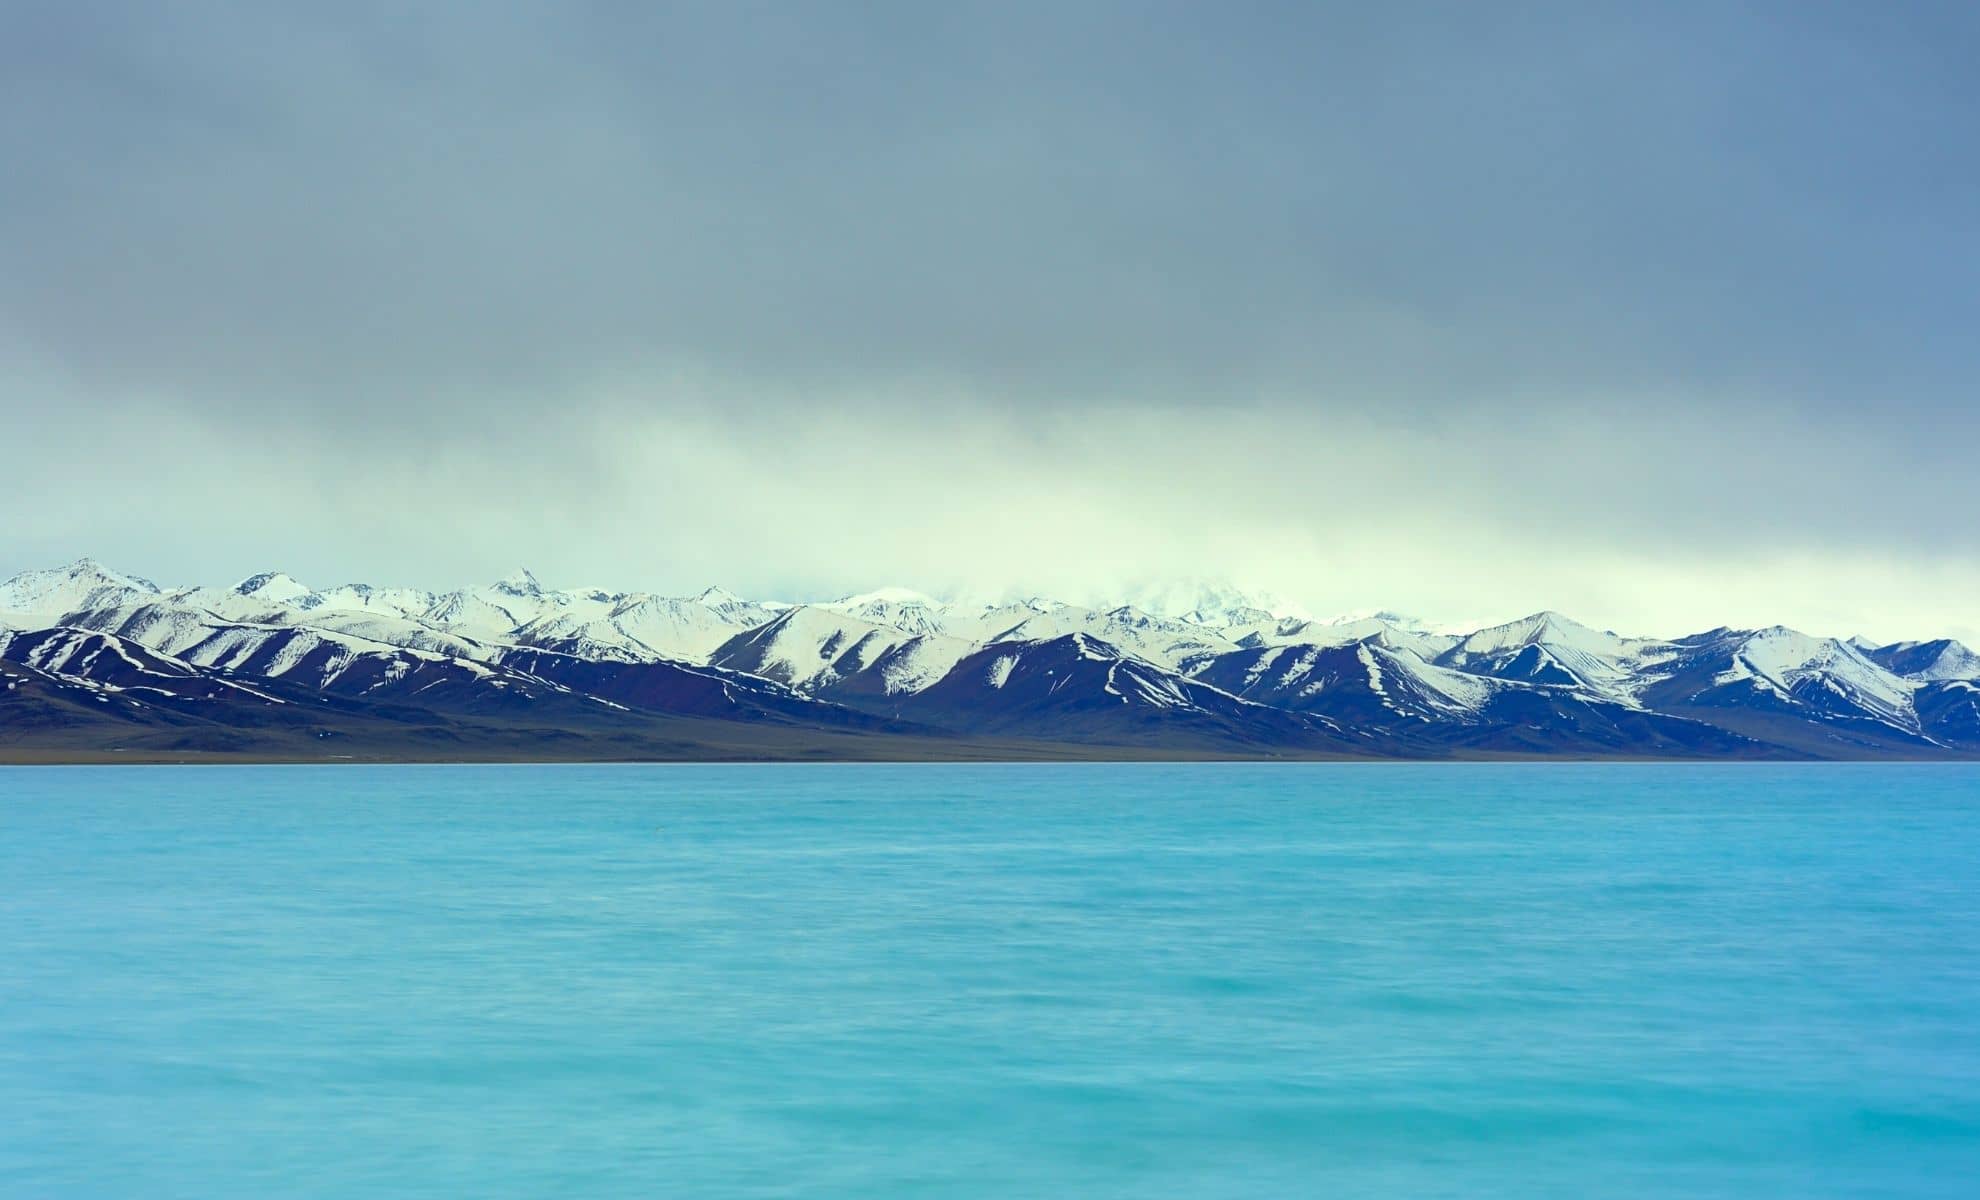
(1083, 981)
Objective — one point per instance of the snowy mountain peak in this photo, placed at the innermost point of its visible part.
(898, 607)
(1541, 628)
(1819, 672)
(82, 584)
(1943, 659)
(272, 586)
(885, 595)
(519, 582)
(1214, 619)
(90, 569)
(1215, 604)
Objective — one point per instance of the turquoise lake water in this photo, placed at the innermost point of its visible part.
(990, 981)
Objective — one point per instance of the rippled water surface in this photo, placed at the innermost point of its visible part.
(1009, 981)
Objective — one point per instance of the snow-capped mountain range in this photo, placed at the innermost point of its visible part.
(98, 662)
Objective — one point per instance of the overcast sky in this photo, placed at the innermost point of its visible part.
(1664, 315)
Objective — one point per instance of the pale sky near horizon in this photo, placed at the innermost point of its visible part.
(1659, 315)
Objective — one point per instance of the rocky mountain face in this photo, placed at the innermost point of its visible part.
(97, 662)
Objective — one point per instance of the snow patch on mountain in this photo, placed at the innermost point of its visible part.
(1000, 670)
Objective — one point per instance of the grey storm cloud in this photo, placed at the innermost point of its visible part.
(1451, 303)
